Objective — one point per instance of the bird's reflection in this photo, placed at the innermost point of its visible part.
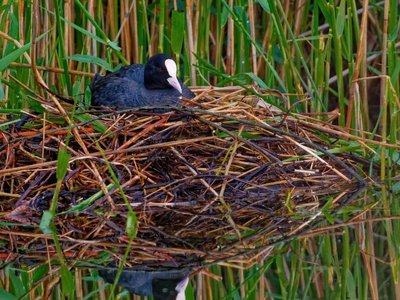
(162, 285)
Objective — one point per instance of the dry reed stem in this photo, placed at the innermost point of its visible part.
(357, 68)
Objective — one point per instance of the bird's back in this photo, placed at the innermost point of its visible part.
(133, 72)
(117, 92)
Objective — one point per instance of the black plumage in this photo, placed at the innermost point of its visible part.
(162, 285)
(151, 85)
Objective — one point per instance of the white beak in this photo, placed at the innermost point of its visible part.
(174, 82)
(181, 287)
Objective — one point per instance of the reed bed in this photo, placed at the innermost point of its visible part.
(207, 184)
(324, 56)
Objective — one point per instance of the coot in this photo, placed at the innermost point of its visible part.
(154, 84)
(162, 285)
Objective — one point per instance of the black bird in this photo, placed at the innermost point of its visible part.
(162, 285)
(154, 84)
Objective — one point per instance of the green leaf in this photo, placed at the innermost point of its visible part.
(13, 56)
(87, 98)
(62, 163)
(16, 283)
(190, 293)
(392, 36)
(40, 273)
(257, 79)
(396, 187)
(13, 27)
(1, 92)
(351, 286)
(325, 9)
(99, 30)
(35, 105)
(326, 210)
(92, 60)
(67, 282)
(96, 124)
(46, 222)
(113, 45)
(264, 4)
(6, 295)
(224, 16)
(340, 18)
(85, 203)
(131, 225)
(177, 31)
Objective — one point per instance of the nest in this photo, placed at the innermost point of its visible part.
(219, 179)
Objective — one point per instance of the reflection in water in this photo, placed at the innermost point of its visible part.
(162, 285)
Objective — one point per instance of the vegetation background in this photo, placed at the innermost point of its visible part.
(340, 57)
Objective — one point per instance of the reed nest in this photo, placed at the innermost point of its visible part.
(223, 178)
